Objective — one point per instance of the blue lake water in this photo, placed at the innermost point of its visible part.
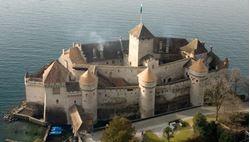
(33, 32)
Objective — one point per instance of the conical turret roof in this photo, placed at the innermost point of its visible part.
(87, 78)
(147, 76)
(199, 67)
(141, 32)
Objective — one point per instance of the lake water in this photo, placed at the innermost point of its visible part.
(33, 32)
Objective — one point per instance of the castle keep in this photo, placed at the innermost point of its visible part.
(135, 78)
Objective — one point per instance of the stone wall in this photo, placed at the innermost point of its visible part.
(113, 101)
(34, 91)
(165, 73)
(63, 100)
(172, 97)
(178, 88)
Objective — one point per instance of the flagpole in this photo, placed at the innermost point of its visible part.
(141, 14)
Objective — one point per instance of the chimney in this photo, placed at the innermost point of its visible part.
(167, 45)
(160, 46)
(101, 54)
(63, 51)
(211, 48)
(101, 49)
(73, 44)
(94, 53)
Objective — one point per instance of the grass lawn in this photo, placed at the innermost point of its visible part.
(182, 135)
(210, 117)
(149, 136)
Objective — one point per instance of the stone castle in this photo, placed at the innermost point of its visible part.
(136, 78)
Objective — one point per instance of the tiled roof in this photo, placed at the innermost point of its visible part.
(199, 67)
(55, 73)
(147, 76)
(195, 46)
(141, 32)
(111, 50)
(75, 113)
(75, 55)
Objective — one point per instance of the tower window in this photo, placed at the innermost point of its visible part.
(169, 79)
(57, 101)
(74, 101)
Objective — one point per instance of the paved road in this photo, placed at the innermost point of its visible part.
(159, 123)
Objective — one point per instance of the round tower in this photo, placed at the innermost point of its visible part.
(197, 73)
(147, 83)
(88, 85)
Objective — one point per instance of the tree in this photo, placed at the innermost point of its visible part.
(226, 136)
(118, 130)
(167, 133)
(211, 132)
(199, 124)
(216, 92)
(235, 78)
(231, 105)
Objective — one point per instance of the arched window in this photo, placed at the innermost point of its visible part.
(169, 79)
(57, 101)
(74, 101)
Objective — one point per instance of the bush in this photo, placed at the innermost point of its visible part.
(199, 124)
(211, 132)
(226, 136)
(241, 119)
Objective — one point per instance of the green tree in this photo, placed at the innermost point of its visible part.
(166, 133)
(226, 136)
(199, 124)
(118, 130)
(211, 132)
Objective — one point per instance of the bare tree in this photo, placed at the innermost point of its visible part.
(235, 78)
(230, 105)
(217, 91)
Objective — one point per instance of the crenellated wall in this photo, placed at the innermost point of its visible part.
(165, 73)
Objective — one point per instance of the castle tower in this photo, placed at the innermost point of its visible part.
(147, 83)
(197, 74)
(140, 44)
(88, 85)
